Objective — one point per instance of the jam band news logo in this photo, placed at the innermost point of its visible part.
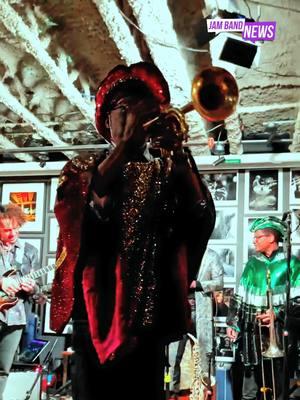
(252, 31)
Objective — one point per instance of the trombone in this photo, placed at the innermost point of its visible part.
(214, 96)
(273, 350)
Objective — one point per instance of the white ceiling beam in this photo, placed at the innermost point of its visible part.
(118, 30)
(7, 144)
(165, 51)
(32, 44)
(11, 125)
(13, 104)
(295, 146)
(155, 20)
(268, 107)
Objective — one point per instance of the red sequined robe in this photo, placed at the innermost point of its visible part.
(137, 277)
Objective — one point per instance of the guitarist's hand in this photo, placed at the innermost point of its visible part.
(10, 286)
(28, 286)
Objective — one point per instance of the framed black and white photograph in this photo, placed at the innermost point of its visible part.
(49, 277)
(227, 254)
(53, 234)
(228, 291)
(296, 251)
(35, 242)
(295, 186)
(295, 225)
(224, 348)
(226, 226)
(222, 301)
(263, 191)
(249, 249)
(223, 187)
(30, 198)
(53, 187)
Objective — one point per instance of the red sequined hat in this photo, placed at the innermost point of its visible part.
(144, 74)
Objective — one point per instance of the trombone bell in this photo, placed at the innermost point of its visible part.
(273, 351)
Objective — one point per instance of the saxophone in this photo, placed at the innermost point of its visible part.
(201, 387)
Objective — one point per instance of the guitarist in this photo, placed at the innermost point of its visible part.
(25, 259)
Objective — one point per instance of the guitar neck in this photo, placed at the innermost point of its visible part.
(40, 272)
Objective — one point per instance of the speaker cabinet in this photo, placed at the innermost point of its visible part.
(19, 383)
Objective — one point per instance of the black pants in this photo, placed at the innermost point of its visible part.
(252, 382)
(138, 375)
(177, 367)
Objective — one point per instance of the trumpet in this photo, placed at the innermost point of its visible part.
(214, 96)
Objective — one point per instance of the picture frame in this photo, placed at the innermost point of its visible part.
(249, 249)
(30, 197)
(295, 186)
(53, 235)
(50, 275)
(223, 187)
(224, 347)
(225, 230)
(295, 225)
(46, 310)
(229, 290)
(53, 188)
(222, 300)
(263, 191)
(36, 242)
(296, 251)
(46, 323)
(227, 254)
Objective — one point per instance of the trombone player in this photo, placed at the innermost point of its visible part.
(256, 311)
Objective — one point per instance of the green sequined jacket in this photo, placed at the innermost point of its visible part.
(251, 298)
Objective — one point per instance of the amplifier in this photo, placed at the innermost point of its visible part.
(19, 383)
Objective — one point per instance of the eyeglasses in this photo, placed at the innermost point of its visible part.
(259, 237)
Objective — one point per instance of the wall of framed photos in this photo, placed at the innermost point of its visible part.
(240, 193)
(240, 197)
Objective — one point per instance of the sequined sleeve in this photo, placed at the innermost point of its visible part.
(234, 312)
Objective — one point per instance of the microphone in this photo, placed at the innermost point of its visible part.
(285, 216)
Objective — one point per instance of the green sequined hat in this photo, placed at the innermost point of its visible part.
(269, 223)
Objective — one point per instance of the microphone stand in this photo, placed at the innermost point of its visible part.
(211, 355)
(42, 368)
(167, 378)
(286, 378)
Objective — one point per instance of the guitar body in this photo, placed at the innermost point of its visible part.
(7, 301)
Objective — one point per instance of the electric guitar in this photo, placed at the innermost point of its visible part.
(7, 301)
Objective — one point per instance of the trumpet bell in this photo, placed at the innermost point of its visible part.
(214, 93)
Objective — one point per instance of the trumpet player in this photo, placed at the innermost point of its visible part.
(250, 316)
(133, 229)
